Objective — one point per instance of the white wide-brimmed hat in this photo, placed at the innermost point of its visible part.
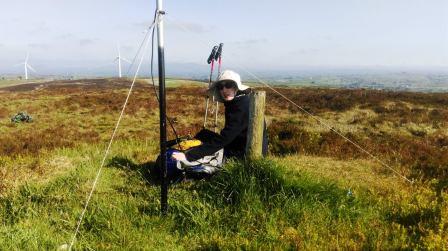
(226, 75)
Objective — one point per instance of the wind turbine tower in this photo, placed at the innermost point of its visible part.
(26, 66)
(119, 58)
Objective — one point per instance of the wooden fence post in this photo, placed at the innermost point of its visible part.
(254, 146)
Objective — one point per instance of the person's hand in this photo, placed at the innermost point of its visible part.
(178, 156)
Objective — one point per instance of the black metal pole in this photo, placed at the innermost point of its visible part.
(162, 109)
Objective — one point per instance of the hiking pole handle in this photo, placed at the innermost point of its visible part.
(219, 52)
(212, 54)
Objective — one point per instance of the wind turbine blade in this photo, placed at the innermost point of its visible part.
(126, 60)
(19, 64)
(31, 68)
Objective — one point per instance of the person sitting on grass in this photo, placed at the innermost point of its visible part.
(229, 90)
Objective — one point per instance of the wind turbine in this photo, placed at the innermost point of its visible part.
(119, 58)
(26, 66)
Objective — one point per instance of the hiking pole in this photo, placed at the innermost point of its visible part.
(218, 57)
(210, 60)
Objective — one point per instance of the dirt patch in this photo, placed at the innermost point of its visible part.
(3, 112)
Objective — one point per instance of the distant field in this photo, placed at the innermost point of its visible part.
(4, 83)
(315, 191)
(13, 82)
(404, 81)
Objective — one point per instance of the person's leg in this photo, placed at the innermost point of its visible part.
(205, 135)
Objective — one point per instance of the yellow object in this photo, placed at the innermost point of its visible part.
(187, 144)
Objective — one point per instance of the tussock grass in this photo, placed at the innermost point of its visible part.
(250, 205)
(419, 156)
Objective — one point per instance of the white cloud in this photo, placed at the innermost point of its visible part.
(188, 27)
(86, 42)
(305, 51)
(40, 28)
(127, 48)
(39, 45)
(64, 36)
(248, 43)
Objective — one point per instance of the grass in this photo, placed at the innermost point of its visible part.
(251, 205)
(9, 82)
(313, 192)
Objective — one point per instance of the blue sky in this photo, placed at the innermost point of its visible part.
(63, 35)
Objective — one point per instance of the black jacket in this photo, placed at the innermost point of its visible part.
(233, 136)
